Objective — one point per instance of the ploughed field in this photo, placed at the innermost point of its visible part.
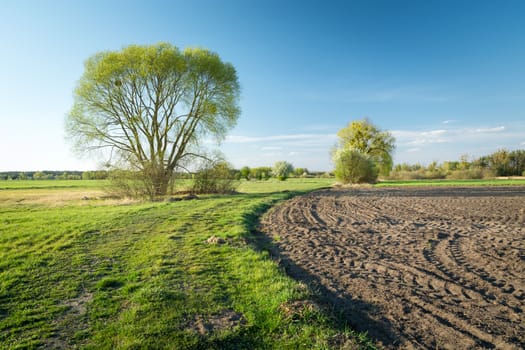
(415, 267)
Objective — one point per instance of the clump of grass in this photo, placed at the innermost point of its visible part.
(108, 283)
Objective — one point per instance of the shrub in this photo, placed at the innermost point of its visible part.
(282, 170)
(260, 173)
(245, 172)
(474, 173)
(300, 172)
(465, 174)
(215, 178)
(127, 183)
(354, 167)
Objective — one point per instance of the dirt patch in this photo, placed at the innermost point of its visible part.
(73, 320)
(414, 267)
(225, 320)
(299, 309)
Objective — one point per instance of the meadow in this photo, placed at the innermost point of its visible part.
(81, 270)
(512, 181)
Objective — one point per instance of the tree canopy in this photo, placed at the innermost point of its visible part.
(282, 170)
(364, 137)
(148, 107)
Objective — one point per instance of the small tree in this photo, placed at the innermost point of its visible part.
(298, 172)
(245, 173)
(261, 173)
(214, 177)
(282, 170)
(354, 167)
(366, 138)
(39, 176)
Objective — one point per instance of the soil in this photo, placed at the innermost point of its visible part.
(421, 268)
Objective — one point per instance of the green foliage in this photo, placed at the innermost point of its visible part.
(261, 173)
(215, 177)
(282, 170)
(245, 173)
(39, 176)
(366, 138)
(298, 172)
(95, 175)
(148, 107)
(354, 167)
(500, 163)
(505, 163)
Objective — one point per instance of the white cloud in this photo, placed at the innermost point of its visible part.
(420, 137)
(434, 132)
(522, 144)
(450, 121)
(490, 130)
(271, 148)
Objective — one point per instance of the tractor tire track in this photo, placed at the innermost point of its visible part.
(416, 268)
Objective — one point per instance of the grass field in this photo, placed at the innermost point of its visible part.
(102, 274)
(487, 182)
(55, 184)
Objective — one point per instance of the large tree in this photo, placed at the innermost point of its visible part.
(364, 137)
(149, 106)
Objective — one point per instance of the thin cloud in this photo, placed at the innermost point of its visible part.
(415, 138)
(490, 130)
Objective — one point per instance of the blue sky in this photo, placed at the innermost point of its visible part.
(447, 78)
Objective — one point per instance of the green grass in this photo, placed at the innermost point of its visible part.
(488, 182)
(51, 184)
(141, 276)
(273, 185)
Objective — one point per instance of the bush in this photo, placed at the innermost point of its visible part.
(354, 167)
(260, 173)
(282, 170)
(245, 173)
(215, 178)
(471, 174)
(126, 183)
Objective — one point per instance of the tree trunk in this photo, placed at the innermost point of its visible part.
(157, 181)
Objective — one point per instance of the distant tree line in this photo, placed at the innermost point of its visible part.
(280, 170)
(500, 163)
(54, 175)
